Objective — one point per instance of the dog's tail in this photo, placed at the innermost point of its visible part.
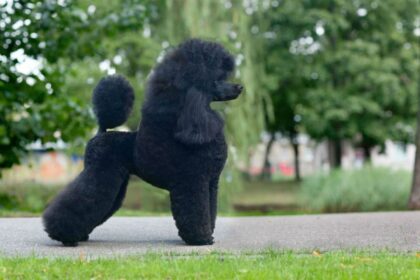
(112, 101)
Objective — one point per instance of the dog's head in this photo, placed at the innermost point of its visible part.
(206, 66)
(196, 73)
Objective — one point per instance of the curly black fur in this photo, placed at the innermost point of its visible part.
(179, 146)
(112, 101)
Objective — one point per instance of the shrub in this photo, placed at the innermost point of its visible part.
(142, 196)
(366, 189)
(7, 201)
(34, 197)
(31, 197)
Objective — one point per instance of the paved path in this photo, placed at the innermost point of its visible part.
(124, 236)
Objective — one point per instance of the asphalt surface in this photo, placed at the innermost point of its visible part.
(399, 231)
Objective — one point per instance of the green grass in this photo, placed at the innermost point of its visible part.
(268, 265)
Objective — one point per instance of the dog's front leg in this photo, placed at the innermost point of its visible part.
(214, 186)
(191, 210)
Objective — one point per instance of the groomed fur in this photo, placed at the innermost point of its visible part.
(180, 146)
(112, 101)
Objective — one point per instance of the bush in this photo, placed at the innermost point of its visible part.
(30, 197)
(34, 197)
(366, 189)
(142, 196)
(7, 201)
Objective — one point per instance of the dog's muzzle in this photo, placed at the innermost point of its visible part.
(230, 92)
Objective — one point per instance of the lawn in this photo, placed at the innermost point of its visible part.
(267, 265)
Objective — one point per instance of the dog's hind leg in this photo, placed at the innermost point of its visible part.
(95, 194)
(191, 211)
(115, 206)
(83, 205)
(117, 202)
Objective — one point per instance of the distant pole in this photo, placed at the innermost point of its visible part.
(414, 200)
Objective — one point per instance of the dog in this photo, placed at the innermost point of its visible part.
(179, 146)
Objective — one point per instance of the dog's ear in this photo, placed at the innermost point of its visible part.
(196, 123)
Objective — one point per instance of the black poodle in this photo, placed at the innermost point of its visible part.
(179, 146)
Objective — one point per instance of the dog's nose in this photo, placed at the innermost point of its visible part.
(239, 88)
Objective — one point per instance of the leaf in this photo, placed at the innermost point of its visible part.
(82, 256)
(316, 253)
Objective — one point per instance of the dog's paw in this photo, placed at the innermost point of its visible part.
(200, 242)
(70, 243)
(84, 238)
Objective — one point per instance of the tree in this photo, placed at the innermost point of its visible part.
(414, 200)
(38, 38)
(347, 72)
(366, 84)
(288, 72)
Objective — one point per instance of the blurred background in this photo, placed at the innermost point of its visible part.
(327, 122)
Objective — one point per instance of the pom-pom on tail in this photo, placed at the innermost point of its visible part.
(112, 101)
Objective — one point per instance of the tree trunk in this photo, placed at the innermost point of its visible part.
(295, 145)
(334, 153)
(414, 200)
(338, 151)
(266, 171)
(337, 81)
(366, 153)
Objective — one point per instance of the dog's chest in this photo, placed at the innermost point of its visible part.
(218, 150)
(217, 154)
(161, 159)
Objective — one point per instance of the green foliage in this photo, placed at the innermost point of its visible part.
(50, 35)
(264, 265)
(344, 69)
(7, 202)
(333, 69)
(28, 197)
(144, 197)
(367, 189)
